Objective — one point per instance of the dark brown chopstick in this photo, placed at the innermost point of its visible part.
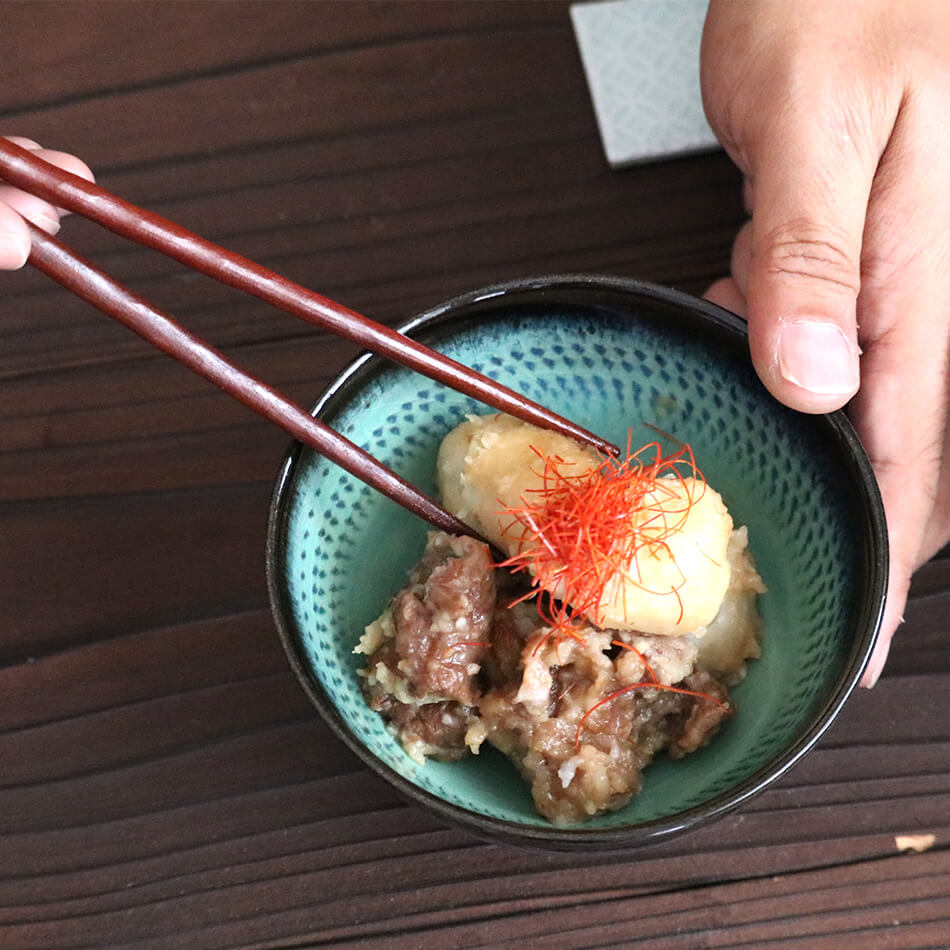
(21, 168)
(97, 288)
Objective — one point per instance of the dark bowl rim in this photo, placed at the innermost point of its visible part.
(580, 837)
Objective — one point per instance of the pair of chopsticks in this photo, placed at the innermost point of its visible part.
(21, 168)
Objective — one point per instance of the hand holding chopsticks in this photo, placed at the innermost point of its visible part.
(20, 168)
(17, 207)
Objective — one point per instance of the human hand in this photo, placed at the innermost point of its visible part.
(838, 114)
(15, 205)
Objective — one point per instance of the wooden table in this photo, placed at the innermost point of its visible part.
(163, 780)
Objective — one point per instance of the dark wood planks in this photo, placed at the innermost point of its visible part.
(321, 840)
(121, 45)
(341, 197)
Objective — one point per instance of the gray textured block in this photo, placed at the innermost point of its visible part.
(641, 58)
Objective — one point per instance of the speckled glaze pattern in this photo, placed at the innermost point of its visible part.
(611, 355)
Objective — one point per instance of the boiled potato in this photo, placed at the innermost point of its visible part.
(735, 633)
(671, 587)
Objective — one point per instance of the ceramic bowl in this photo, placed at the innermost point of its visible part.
(610, 354)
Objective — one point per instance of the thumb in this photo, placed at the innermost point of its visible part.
(809, 204)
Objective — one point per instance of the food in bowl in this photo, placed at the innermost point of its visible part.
(622, 612)
(604, 352)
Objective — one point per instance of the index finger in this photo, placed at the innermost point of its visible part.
(14, 239)
(41, 213)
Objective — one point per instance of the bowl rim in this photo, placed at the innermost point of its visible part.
(580, 837)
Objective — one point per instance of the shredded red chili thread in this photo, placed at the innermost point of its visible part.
(652, 683)
(582, 529)
(646, 684)
(643, 659)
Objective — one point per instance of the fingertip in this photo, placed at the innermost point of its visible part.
(809, 365)
(14, 239)
(35, 210)
(893, 616)
(41, 213)
(817, 364)
(13, 253)
(809, 360)
(872, 672)
(725, 293)
(67, 162)
(23, 142)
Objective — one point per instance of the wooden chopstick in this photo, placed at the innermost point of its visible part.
(103, 292)
(23, 169)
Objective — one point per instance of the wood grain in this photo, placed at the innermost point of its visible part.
(163, 780)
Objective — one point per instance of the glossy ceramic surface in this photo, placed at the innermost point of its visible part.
(610, 354)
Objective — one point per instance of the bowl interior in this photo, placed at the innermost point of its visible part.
(611, 357)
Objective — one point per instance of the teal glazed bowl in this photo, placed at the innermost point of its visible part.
(611, 354)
